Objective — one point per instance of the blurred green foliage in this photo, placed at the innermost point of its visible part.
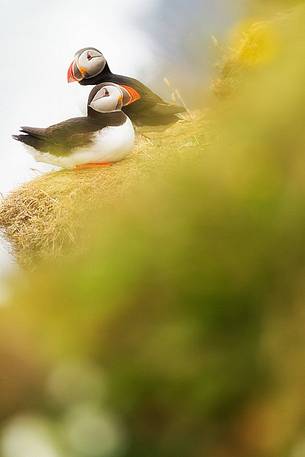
(180, 330)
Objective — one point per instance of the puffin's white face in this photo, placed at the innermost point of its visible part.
(107, 99)
(87, 63)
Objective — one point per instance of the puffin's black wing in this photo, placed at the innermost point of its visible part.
(166, 109)
(161, 114)
(63, 138)
(149, 109)
(147, 95)
(147, 100)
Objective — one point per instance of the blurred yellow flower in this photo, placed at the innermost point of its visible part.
(254, 43)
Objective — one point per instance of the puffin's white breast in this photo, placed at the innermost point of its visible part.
(110, 144)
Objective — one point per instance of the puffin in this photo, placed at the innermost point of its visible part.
(105, 137)
(141, 105)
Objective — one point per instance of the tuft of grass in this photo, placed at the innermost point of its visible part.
(252, 44)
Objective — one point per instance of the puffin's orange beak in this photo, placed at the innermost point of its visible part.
(72, 75)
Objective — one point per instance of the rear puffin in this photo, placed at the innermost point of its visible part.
(141, 105)
(84, 142)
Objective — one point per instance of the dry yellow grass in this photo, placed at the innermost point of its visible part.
(43, 216)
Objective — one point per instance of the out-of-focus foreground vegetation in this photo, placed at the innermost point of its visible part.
(178, 330)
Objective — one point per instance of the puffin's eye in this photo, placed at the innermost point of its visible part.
(106, 93)
(89, 56)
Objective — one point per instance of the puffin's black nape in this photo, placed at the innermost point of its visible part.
(95, 80)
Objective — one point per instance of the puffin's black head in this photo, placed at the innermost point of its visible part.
(87, 63)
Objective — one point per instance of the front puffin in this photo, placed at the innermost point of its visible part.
(84, 142)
